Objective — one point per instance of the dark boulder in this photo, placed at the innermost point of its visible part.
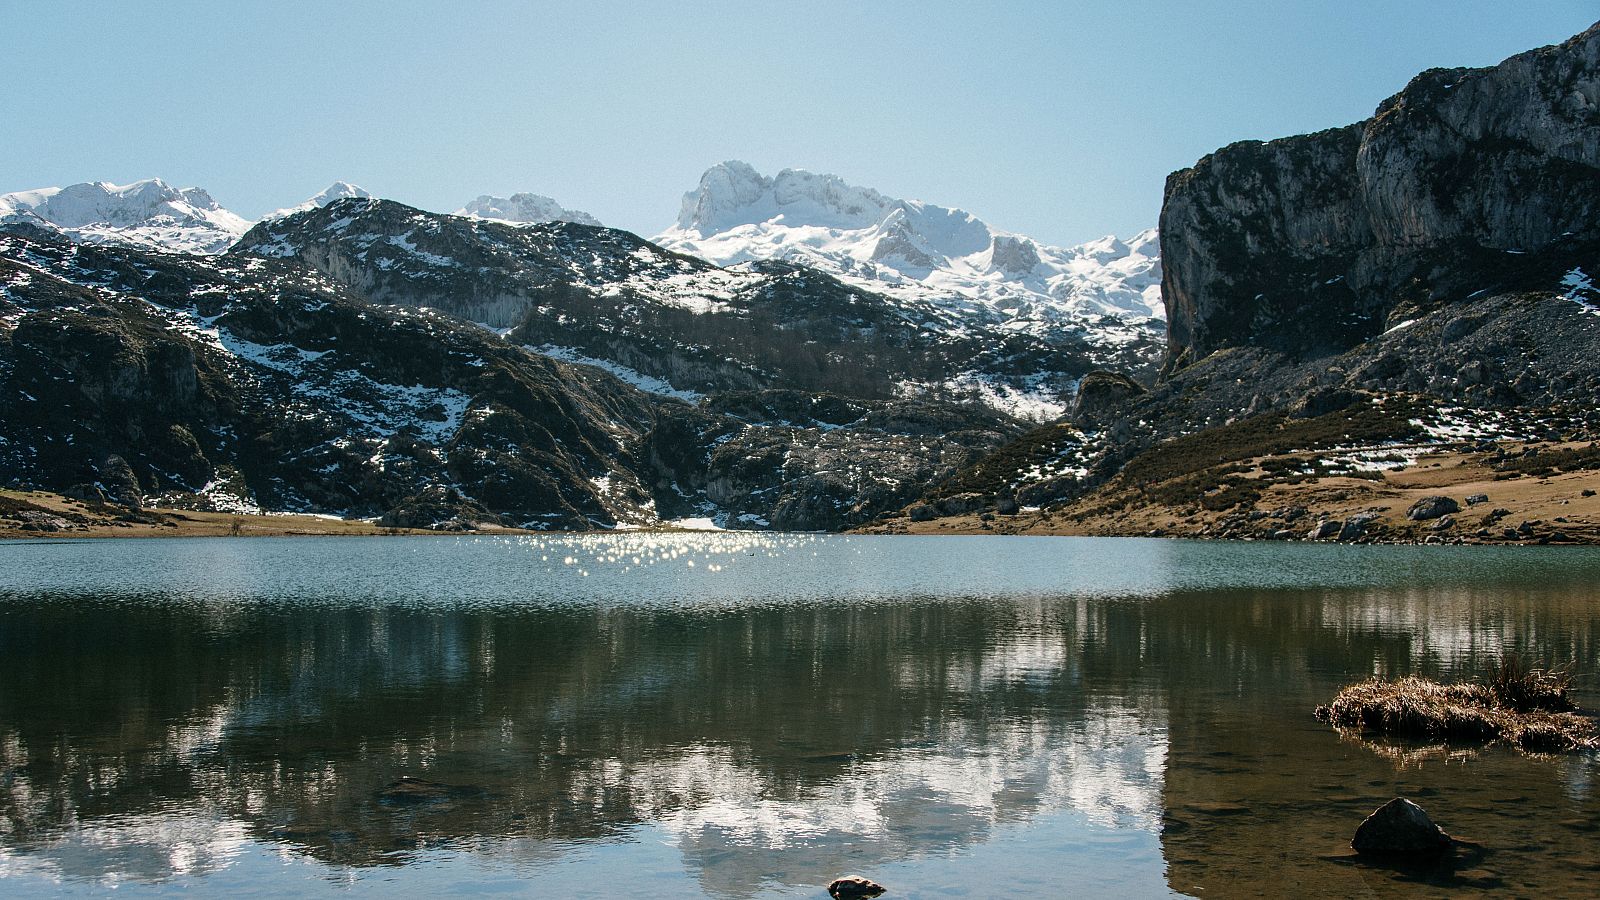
(1103, 395)
(1325, 530)
(962, 504)
(119, 483)
(440, 508)
(1354, 528)
(1322, 401)
(854, 886)
(1432, 508)
(86, 492)
(1400, 827)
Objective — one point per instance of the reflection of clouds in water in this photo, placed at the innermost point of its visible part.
(690, 701)
(196, 840)
(741, 830)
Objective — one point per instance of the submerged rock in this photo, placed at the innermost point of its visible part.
(854, 886)
(1400, 826)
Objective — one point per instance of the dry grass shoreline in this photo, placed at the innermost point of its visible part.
(1558, 507)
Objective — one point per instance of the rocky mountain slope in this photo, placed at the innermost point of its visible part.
(1344, 304)
(1107, 291)
(674, 322)
(244, 381)
(148, 214)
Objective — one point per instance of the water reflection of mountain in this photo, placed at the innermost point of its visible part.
(763, 740)
(770, 743)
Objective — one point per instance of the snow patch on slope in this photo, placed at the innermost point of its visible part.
(647, 383)
(1581, 290)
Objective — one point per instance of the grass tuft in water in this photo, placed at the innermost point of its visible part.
(1526, 708)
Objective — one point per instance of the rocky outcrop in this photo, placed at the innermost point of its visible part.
(1467, 181)
(1104, 395)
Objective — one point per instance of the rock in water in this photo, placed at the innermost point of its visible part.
(1432, 508)
(1400, 826)
(854, 886)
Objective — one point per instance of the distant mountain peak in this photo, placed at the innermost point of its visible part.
(149, 214)
(339, 190)
(524, 208)
(911, 248)
(733, 193)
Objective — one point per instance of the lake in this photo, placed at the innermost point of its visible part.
(747, 715)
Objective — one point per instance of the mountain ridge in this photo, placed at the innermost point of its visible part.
(911, 247)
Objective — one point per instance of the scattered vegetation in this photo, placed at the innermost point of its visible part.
(1525, 708)
(1549, 461)
(998, 472)
(1274, 434)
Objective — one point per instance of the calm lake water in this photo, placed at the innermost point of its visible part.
(752, 715)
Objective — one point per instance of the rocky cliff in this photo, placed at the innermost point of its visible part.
(1466, 183)
(1343, 305)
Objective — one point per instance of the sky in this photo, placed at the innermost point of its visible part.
(1058, 120)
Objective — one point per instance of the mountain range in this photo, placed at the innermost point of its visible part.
(1106, 292)
(798, 352)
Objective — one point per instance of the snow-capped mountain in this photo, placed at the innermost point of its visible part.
(908, 248)
(148, 214)
(533, 208)
(610, 296)
(339, 190)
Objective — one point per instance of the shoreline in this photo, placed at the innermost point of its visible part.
(1554, 509)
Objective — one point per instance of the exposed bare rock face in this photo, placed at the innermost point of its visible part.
(1469, 181)
(1423, 280)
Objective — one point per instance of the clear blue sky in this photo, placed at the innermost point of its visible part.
(1055, 119)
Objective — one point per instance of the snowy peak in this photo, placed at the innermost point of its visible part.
(524, 208)
(149, 214)
(734, 193)
(910, 248)
(339, 190)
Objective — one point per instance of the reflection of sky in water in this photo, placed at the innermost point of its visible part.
(1051, 710)
(738, 568)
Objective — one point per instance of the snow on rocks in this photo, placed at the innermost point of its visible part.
(915, 250)
(1580, 289)
(149, 214)
(524, 208)
(339, 190)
